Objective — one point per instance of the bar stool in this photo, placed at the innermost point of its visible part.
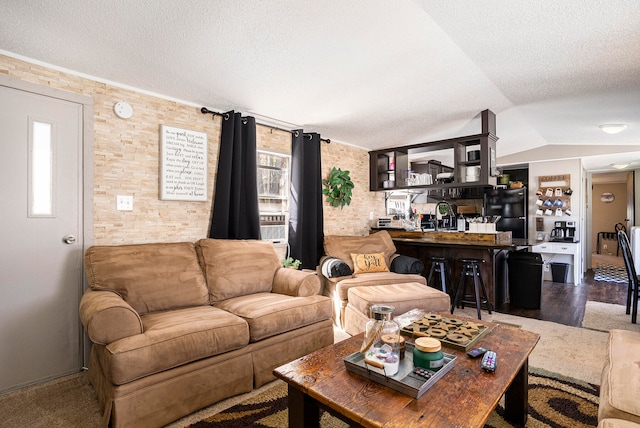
(471, 268)
(439, 265)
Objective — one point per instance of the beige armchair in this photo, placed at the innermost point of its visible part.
(339, 273)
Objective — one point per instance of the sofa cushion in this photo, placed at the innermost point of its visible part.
(342, 247)
(171, 339)
(149, 277)
(269, 314)
(403, 297)
(617, 423)
(367, 263)
(377, 278)
(621, 377)
(237, 267)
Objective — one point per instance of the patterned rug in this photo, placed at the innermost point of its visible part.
(610, 273)
(554, 401)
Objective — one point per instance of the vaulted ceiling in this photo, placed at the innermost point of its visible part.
(370, 73)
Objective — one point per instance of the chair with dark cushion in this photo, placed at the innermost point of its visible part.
(632, 289)
(619, 227)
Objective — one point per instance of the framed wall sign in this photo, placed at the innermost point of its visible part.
(183, 164)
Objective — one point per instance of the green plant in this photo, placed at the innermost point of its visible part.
(290, 262)
(338, 188)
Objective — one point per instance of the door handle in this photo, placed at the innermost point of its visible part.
(69, 239)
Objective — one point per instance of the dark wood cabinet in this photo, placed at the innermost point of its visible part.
(474, 163)
(387, 167)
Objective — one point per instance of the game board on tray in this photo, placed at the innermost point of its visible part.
(456, 333)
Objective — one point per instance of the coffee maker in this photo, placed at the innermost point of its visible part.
(564, 231)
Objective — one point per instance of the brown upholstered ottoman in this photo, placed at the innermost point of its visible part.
(403, 297)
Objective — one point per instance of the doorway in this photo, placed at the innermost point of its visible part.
(612, 208)
(45, 135)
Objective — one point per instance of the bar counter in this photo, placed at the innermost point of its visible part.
(492, 248)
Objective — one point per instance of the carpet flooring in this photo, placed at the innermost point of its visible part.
(606, 316)
(70, 401)
(610, 273)
(573, 352)
(554, 401)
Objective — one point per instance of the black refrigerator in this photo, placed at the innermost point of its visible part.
(511, 205)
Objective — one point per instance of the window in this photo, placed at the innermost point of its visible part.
(41, 164)
(273, 195)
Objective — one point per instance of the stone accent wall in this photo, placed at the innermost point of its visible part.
(352, 219)
(126, 162)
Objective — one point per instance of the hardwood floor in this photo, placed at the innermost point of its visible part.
(565, 303)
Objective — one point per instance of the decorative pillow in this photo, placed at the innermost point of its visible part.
(406, 264)
(366, 263)
(333, 267)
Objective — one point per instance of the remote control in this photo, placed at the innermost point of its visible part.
(475, 353)
(489, 361)
(424, 373)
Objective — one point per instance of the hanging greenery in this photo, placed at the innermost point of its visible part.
(338, 188)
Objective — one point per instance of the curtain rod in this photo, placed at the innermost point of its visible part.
(205, 110)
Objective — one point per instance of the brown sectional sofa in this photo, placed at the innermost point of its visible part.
(176, 327)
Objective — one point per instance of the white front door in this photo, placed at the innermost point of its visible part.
(41, 223)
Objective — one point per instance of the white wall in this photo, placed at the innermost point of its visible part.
(578, 201)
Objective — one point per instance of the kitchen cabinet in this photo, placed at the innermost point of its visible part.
(561, 252)
(473, 162)
(387, 167)
(493, 271)
(433, 168)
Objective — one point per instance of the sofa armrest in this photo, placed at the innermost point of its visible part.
(405, 264)
(296, 283)
(106, 317)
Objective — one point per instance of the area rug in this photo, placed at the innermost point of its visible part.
(554, 401)
(573, 352)
(610, 273)
(606, 316)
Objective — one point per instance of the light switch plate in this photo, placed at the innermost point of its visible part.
(124, 203)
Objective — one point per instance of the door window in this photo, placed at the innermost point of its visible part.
(41, 168)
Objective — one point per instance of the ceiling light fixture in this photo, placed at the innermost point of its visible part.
(613, 128)
(619, 165)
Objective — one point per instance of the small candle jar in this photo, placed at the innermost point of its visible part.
(427, 353)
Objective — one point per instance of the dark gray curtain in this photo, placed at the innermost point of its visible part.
(305, 210)
(235, 207)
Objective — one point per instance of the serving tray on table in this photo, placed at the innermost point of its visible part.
(405, 380)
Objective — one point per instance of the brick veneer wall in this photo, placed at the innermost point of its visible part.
(126, 156)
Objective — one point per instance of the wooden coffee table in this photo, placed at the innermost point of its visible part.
(464, 397)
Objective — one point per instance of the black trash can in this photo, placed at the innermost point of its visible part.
(525, 279)
(560, 272)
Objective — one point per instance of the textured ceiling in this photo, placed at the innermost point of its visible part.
(370, 73)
